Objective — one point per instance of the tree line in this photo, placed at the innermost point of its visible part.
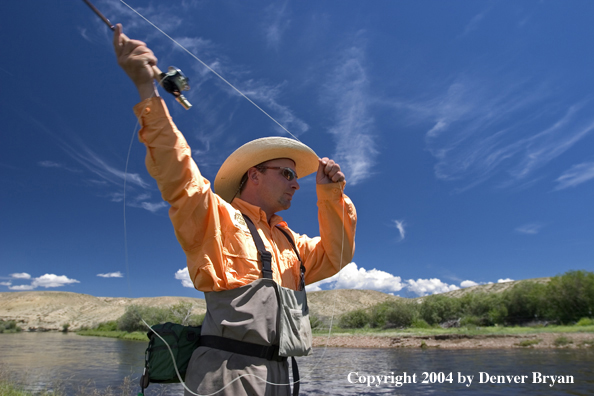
(565, 299)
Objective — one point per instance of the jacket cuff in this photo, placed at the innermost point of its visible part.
(151, 109)
(330, 191)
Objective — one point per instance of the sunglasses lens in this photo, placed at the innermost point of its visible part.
(289, 174)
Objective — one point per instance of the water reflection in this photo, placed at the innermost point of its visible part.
(75, 360)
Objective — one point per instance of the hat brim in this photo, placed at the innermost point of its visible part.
(227, 181)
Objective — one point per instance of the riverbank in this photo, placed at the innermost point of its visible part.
(463, 338)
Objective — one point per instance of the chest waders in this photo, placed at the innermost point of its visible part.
(252, 330)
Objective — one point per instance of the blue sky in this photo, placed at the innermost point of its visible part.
(465, 129)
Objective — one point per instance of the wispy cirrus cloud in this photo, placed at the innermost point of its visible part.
(276, 22)
(530, 229)
(576, 175)
(400, 227)
(347, 95)
(481, 131)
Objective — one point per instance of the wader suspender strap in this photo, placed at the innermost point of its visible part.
(265, 255)
(269, 352)
(266, 258)
(302, 267)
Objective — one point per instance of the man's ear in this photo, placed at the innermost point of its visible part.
(254, 175)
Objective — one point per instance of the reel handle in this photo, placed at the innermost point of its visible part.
(174, 81)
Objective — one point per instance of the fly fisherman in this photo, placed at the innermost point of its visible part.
(257, 313)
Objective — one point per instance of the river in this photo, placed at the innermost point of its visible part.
(73, 361)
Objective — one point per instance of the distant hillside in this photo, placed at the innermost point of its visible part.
(492, 287)
(50, 310)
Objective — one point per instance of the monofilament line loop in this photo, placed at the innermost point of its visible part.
(209, 68)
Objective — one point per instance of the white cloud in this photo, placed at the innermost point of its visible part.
(47, 280)
(22, 275)
(52, 280)
(352, 277)
(423, 287)
(530, 229)
(505, 280)
(347, 94)
(576, 175)
(5, 283)
(184, 276)
(400, 226)
(22, 287)
(468, 283)
(117, 274)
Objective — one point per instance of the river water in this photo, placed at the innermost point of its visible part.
(46, 358)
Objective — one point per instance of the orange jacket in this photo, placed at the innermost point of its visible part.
(220, 251)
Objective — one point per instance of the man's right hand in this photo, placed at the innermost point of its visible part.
(137, 60)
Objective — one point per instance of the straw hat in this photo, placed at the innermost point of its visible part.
(257, 151)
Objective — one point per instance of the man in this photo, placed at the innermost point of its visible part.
(250, 265)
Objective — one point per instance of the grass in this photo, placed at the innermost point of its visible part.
(562, 341)
(529, 343)
(471, 330)
(123, 335)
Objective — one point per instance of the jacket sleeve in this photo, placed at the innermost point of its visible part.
(195, 209)
(327, 254)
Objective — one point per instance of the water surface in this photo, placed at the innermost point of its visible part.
(75, 360)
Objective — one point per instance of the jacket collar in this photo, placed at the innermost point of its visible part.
(254, 212)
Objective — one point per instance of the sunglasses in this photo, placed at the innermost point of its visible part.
(287, 173)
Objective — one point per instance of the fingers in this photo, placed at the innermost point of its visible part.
(329, 171)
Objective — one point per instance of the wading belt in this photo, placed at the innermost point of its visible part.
(269, 352)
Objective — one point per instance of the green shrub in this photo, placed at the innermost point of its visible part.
(571, 296)
(401, 313)
(585, 322)
(315, 321)
(377, 317)
(112, 325)
(354, 319)
(420, 324)
(180, 313)
(526, 301)
(437, 309)
(471, 321)
(9, 326)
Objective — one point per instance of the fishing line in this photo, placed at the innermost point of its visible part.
(209, 68)
(125, 230)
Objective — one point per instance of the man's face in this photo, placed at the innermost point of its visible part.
(276, 189)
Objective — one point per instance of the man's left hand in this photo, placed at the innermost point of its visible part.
(328, 172)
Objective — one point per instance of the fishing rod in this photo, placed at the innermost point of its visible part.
(174, 81)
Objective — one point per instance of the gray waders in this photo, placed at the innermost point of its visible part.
(249, 332)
